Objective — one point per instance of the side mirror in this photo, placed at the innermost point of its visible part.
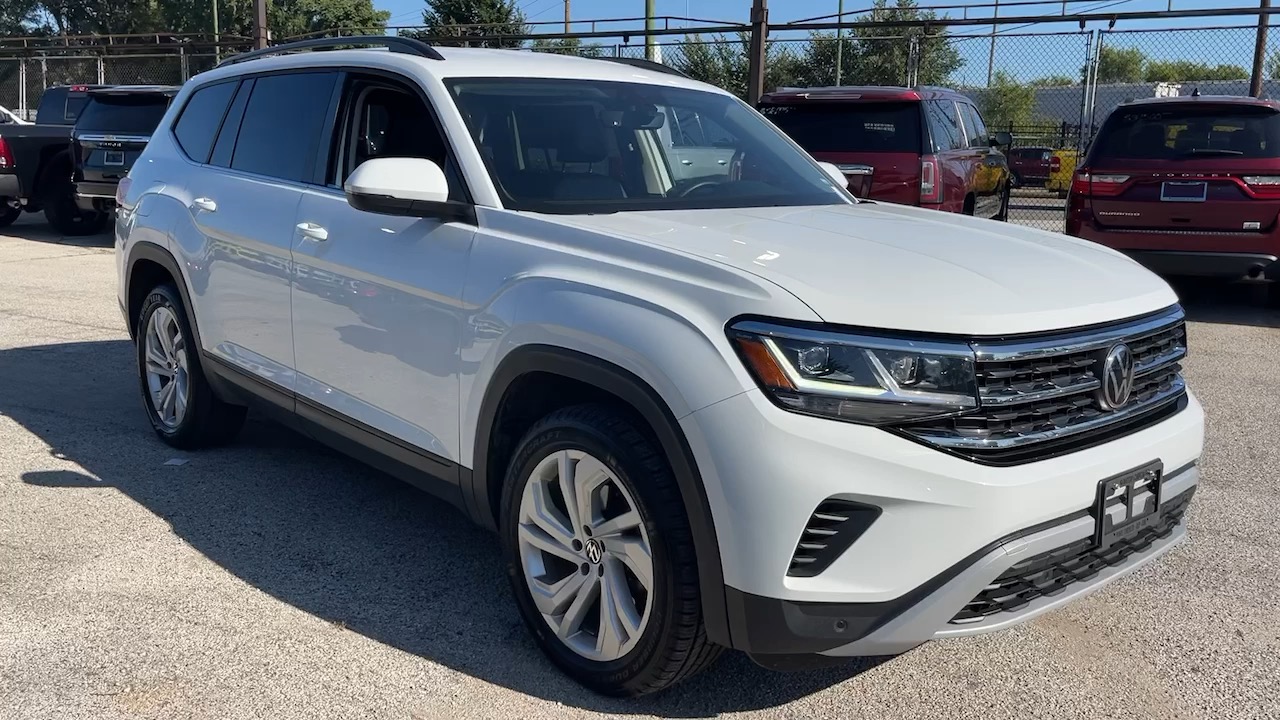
(414, 187)
(837, 175)
(1001, 138)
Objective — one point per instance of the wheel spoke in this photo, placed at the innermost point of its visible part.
(162, 334)
(156, 356)
(547, 516)
(555, 598)
(588, 475)
(624, 604)
(626, 522)
(159, 368)
(572, 621)
(167, 400)
(634, 553)
(538, 538)
(565, 468)
(612, 635)
(180, 406)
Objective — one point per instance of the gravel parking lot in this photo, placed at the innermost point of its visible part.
(275, 579)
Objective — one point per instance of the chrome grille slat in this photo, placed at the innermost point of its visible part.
(1045, 389)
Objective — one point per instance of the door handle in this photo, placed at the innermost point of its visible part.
(205, 204)
(686, 162)
(722, 162)
(312, 231)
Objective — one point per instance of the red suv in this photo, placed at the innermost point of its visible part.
(913, 146)
(1187, 186)
(1031, 165)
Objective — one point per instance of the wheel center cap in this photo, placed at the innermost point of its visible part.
(595, 551)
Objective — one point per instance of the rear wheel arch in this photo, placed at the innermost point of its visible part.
(149, 265)
(575, 377)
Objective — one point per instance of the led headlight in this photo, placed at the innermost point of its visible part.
(859, 378)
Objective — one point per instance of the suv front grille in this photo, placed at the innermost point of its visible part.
(1046, 390)
(1051, 572)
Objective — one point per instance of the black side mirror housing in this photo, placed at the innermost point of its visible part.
(1001, 139)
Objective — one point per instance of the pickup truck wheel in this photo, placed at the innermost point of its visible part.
(8, 213)
(600, 554)
(180, 404)
(66, 217)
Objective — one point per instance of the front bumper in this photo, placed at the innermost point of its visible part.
(947, 527)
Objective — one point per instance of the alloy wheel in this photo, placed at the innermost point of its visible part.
(586, 555)
(167, 367)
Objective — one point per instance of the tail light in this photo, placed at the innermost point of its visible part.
(1055, 164)
(1096, 185)
(1267, 186)
(930, 183)
(122, 190)
(6, 156)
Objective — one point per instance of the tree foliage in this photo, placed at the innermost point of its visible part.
(1119, 65)
(724, 62)
(285, 18)
(1008, 102)
(871, 55)
(569, 46)
(487, 19)
(1178, 71)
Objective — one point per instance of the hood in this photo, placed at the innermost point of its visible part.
(892, 267)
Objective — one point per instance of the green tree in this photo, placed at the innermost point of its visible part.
(874, 55)
(723, 62)
(1054, 81)
(1273, 65)
(1187, 71)
(20, 17)
(1119, 65)
(568, 46)
(1007, 102)
(487, 20)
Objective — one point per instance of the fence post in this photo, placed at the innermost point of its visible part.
(759, 38)
(102, 71)
(183, 68)
(22, 88)
(913, 60)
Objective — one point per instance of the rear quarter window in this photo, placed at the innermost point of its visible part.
(1184, 132)
(201, 117)
(850, 127)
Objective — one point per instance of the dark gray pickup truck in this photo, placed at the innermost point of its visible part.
(36, 163)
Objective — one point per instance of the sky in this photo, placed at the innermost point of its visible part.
(1024, 58)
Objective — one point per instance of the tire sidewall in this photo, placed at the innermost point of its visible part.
(567, 435)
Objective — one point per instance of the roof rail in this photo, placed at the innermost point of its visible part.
(646, 65)
(394, 43)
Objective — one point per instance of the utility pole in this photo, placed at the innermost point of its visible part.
(260, 24)
(566, 17)
(839, 41)
(991, 56)
(755, 63)
(1259, 50)
(650, 46)
(217, 51)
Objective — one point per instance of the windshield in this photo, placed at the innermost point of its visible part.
(136, 114)
(850, 127)
(1182, 132)
(587, 146)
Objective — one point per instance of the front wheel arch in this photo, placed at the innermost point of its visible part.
(483, 490)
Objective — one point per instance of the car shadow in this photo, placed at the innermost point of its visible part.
(330, 536)
(1241, 303)
(33, 227)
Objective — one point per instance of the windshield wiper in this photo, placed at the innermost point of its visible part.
(1209, 151)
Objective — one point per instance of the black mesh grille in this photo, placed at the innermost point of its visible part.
(831, 529)
(1052, 572)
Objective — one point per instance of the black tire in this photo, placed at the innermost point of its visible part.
(969, 206)
(8, 213)
(673, 645)
(62, 212)
(1003, 215)
(208, 421)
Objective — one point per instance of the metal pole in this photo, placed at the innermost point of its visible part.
(566, 17)
(991, 56)
(755, 63)
(650, 40)
(1259, 50)
(260, 31)
(216, 49)
(840, 42)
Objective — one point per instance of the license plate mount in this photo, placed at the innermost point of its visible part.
(1172, 191)
(1127, 504)
(113, 157)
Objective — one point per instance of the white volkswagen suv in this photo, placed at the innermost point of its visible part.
(706, 397)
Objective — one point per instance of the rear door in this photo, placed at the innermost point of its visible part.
(876, 143)
(1188, 169)
(987, 169)
(698, 146)
(110, 134)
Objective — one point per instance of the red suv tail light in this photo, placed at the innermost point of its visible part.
(1089, 184)
(1055, 164)
(930, 182)
(1267, 186)
(6, 156)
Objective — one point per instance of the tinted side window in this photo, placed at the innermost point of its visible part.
(282, 125)
(691, 129)
(977, 130)
(198, 125)
(231, 127)
(944, 125)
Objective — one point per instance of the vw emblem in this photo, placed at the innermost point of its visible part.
(1117, 377)
(595, 551)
